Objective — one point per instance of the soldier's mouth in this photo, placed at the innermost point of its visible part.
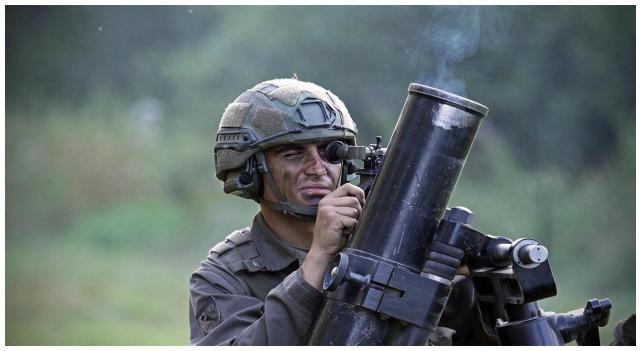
(315, 187)
(315, 191)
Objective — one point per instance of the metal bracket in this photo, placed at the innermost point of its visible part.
(384, 287)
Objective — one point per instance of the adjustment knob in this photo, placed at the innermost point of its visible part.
(533, 254)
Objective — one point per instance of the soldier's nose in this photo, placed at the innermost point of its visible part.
(315, 165)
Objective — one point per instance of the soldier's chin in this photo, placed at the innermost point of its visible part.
(312, 200)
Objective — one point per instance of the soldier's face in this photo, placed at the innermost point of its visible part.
(301, 172)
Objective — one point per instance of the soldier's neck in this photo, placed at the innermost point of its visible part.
(294, 231)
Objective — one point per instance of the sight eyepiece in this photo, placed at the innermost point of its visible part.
(337, 152)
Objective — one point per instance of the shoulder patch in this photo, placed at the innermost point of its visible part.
(209, 318)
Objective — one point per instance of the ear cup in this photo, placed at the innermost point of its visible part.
(245, 179)
(246, 183)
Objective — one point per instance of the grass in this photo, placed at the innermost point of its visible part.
(116, 276)
(81, 294)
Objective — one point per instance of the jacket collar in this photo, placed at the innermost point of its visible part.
(276, 254)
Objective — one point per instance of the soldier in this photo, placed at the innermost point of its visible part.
(262, 284)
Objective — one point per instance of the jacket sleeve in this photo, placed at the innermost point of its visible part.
(222, 312)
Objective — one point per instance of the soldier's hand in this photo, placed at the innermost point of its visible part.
(337, 215)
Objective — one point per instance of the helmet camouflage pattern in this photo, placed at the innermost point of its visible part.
(278, 112)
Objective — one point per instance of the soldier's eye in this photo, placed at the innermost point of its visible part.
(291, 155)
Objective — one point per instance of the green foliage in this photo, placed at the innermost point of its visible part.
(140, 224)
(111, 199)
(105, 224)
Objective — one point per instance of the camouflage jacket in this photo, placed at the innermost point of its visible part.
(250, 291)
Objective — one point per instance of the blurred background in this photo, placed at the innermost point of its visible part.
(111, 114)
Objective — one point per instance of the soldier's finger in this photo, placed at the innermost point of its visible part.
(344, 201)
(348, 224)
(349, 189)
(348, 211)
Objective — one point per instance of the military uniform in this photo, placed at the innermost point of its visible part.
(250, 291)
(625, 332)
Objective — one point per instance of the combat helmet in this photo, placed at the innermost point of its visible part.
(272, 113)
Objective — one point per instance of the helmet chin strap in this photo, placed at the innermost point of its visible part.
(302, 212)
